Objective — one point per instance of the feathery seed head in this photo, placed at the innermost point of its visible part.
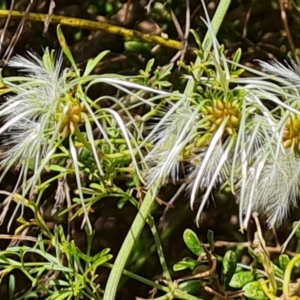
(175, 134)
(289, 72)
(272, 189)
(30, 115)
(215, 156)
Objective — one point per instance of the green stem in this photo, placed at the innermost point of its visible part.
(132, 236)
(159, 249)
(144, 212)
(165, 234)
(140, 278)
(266, 289)
(287, 275)
(93, 25)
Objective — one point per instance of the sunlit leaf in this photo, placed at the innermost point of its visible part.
(240, 279)
(191, 240)
(186, 263)
(228, 266)
(191, 287)
(253, 290)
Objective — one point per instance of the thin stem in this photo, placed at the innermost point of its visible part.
(287, 29)
(141, 279)
(127, 246)
(164, 236)
(159, 249)
(266, 289)
(94, 25)
(287, 275)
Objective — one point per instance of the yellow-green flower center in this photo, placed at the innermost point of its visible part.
(218, 111)
(291, 134)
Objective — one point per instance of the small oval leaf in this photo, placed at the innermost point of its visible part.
(283, 261)
(253, 290)
(229, 265)
(240, 279)
(186, 263)
(191, 287)
(191, 240)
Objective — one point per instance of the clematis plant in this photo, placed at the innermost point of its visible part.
(270, 184)
(225, 133)
(48, 105)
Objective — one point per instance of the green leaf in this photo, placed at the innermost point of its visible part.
(61, 295)
(164, 83)
(253, 290)
(149, 66)
(28, 295)
(236, 59)
(104, 252)
(164, 72)
(186, 263)
(84, 155)
(240, 279)
(191, 240)
(211, 240)
(283, 261)
(91, 65)
(229, 266)
(11, 286)
(57, 168)
(278, 272)
(48, 59)
(137, 46)
(196, 37)
(191, 287)
(100, 261)
(59, 282)
(66, 50)
(98, 187)
(297, 232)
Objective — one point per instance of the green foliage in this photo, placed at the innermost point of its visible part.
(240, 279)
(262, 279)
(64, 272)
(228, 266)
(126, 145)
(192, 242)
(253, 290)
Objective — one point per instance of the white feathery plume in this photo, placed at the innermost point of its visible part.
(173, 135)
(210, 166)
(213, 170)
(271, 187)
(269, 157)
(31, 130)
(270, 183)
(29, 115)
(248, 152)
(290, 72)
